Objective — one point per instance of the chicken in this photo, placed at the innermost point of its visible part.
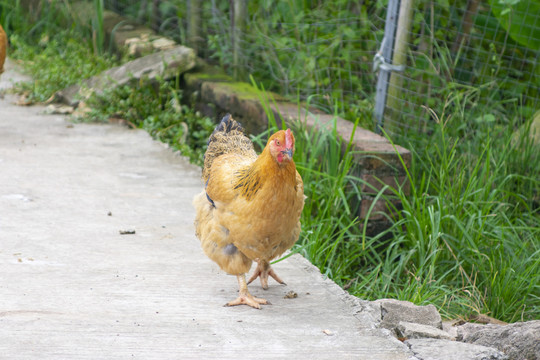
(3, 48)
(251, 206)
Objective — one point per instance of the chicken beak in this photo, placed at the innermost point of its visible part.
(289, 153)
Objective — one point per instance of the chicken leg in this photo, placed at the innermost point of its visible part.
(244, 297)
(263, 270)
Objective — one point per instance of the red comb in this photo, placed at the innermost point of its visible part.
(288, 139)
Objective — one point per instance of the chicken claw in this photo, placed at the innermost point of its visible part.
(263, 270)
(245, 298)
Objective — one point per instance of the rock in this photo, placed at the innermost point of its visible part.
(145, 44)
(240, 99)
(58, 109)
(162, 43)
(137, 46)
(82, 110)
(410, 330)
(466, 330)
(118, 29)
(165, 64)
(535, 128)
(435, 349)
(533, 132)
(520, 341)
(485, 319)
(450, 328)
(368, 313)
(394, 311)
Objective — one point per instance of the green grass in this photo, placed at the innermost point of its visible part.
(53, 46)
(468, 233)
(57, 61)
(47, 19)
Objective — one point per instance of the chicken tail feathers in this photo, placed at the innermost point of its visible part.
(227, 125)
(227, 137)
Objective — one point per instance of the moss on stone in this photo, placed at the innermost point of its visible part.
(243, 90)
(206, 76)
(246, 91)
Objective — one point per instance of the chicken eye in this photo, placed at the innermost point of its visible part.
(278, 143)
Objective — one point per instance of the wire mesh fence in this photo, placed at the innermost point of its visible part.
(466, 57)
(482, 57)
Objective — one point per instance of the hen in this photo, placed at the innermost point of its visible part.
(251, 206)
(3, 48)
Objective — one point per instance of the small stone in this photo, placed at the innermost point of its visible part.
(163, 43)
(451, 328)
(127, 232)
(58, 109)
(394, 311)
(409, 330)
(82, 110)
(126, 27)
(291, 295)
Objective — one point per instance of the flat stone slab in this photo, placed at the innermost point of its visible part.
(410, 330)
(166, 64)
(520, 341)
(435, 349)
(74, 287)
(396, 311)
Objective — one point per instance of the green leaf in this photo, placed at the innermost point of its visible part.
(520, 19)
(487, 119)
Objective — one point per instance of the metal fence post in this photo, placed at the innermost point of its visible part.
(156, 15)
(194, 24)
(384, 56)
(238, 29)
(394, 96)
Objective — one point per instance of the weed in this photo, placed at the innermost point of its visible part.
(465, 228)
(58, 60)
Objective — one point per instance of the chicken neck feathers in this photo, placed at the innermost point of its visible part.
(228, 137)
(239, 165)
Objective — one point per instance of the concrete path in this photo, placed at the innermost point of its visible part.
(73, 287)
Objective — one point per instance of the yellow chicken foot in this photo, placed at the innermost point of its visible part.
(263, 270)
(244, 297)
